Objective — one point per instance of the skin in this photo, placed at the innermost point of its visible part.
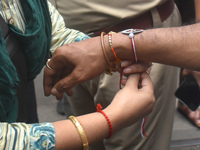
(84, 60)
(197, 10)
(178, 46)
(130, 100)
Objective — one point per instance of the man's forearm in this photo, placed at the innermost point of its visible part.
(179, 46)
(173, 46)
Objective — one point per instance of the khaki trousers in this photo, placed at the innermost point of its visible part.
(158, 124)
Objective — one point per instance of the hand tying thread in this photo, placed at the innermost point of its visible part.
(131, 33)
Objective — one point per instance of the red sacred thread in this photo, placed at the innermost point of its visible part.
(120, 80)
(134, 52)
(135, 59)
(143, 127)
(99, 109)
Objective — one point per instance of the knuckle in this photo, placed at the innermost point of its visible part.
(139, 68)
(62, 86)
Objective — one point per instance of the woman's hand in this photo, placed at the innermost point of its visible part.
(132, 67)
(133, 102)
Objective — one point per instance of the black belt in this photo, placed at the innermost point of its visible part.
(142, 21)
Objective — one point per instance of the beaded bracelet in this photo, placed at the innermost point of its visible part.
(110, 43)
(81, 132)
(99, 109)
(131, 33)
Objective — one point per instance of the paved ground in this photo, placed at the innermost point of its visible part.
(185, 136)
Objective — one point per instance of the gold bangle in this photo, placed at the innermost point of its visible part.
(81, 132)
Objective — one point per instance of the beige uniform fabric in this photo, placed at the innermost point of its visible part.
(159, 123)
(92, 15)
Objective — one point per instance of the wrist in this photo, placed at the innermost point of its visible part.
(122, 46)
(114, 115)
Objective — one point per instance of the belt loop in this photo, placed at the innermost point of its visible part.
(157, 22)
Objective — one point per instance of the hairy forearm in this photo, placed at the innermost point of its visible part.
(179, 46)
(173, 46)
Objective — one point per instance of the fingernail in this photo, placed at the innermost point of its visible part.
(127, 70)
(54, 91)
(124, 63)
(198, 123)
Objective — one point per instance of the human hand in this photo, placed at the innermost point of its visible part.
(132, 67)
(196, 74)
(133, 102)
(73, 63)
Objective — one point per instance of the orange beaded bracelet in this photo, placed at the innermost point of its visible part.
(111, 46)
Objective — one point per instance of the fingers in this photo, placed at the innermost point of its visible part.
(136, 67)
(54, 72)
(139, 80)
(126, 63)
(48, 81)
(146, 83)
(132, 81)
(66, 84)
(49, 75)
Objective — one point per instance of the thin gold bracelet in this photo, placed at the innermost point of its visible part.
(81, 132)
(110, 64)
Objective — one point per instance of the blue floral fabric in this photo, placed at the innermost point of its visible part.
(39, 136)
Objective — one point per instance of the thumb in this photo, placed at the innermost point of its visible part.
(146, 83)
(133, 81)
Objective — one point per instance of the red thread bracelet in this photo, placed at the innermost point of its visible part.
(133, 48)
(99, 109)
(120, 80)
(142, 128)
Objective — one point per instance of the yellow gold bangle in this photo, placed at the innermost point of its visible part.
(81, 132)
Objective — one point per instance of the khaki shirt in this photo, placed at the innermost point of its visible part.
(92, 15)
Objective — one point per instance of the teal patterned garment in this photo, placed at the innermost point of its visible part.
(27, 136)
(60, 34)
(34, 136)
